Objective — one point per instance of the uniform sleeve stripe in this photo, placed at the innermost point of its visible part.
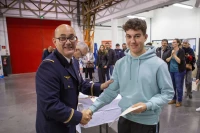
(70, 117)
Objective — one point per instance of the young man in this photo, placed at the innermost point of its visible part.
(142, 79)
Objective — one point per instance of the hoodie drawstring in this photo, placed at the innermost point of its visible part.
(130, 68)
(138, 69)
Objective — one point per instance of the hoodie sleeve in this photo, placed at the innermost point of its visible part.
(108, 95)
(166, 89)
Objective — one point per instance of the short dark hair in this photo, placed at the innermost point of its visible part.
(136, 24)
(124, 44)
(117, 44)
(165, 40)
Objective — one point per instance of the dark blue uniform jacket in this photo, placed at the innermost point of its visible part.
(58, 84)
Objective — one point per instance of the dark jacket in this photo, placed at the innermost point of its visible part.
(119, 54)
(58, 84)
(191, 58)
(45, 54)
(166, 53)
(181, 56)
(111, 57)
(102, 59)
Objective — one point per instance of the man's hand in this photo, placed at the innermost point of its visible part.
(106, 84)
(86, 117)
(89, 112)
(140, 110)
(105, 66)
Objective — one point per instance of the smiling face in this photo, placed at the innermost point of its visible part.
(65, 40)
(175, 43)
(164, 44)
(135, 40)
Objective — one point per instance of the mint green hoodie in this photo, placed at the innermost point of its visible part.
(139, 79)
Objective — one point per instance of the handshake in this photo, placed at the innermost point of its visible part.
(86, 116)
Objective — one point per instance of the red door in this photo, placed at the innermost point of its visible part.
(27, 39)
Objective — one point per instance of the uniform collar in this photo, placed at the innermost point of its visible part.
(63, 60)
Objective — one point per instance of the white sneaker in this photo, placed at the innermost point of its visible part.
(198, 109)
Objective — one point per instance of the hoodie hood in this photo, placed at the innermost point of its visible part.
(150, 52)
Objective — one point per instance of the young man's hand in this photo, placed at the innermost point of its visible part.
(140, 110)
(86, 117)
(106, 84)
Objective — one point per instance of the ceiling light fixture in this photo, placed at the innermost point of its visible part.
(135, 17)
(183, 6)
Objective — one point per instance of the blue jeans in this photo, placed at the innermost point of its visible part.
(177, 80)
(109, 71)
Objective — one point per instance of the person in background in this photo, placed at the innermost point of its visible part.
(5, 66)
(124, 47)
(147, 88)
(190, 62)
(47, 52)
(149, 44)
(177, 71)
(58, 83)
(111, 60)
(118, 52)
(88, 65)
(164, 51)
(102, 63)
(197, 79)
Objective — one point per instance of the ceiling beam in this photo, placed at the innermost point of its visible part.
(98, 5)
(126, 9)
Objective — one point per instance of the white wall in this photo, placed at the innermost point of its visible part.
(175, 22)
(105, 33)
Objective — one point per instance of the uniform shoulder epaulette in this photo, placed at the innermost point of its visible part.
(49, 60)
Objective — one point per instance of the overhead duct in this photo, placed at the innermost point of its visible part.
(197, 3)
(78, 13)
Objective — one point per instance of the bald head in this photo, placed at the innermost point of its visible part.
(65, 40)
(62, 27)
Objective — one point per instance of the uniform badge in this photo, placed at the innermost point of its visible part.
(67, 77)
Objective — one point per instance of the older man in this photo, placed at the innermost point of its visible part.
(190, 61)
(58, 83)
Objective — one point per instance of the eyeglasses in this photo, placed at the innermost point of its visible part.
(64, 39)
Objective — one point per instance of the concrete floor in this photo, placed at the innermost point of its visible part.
(18, 109)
